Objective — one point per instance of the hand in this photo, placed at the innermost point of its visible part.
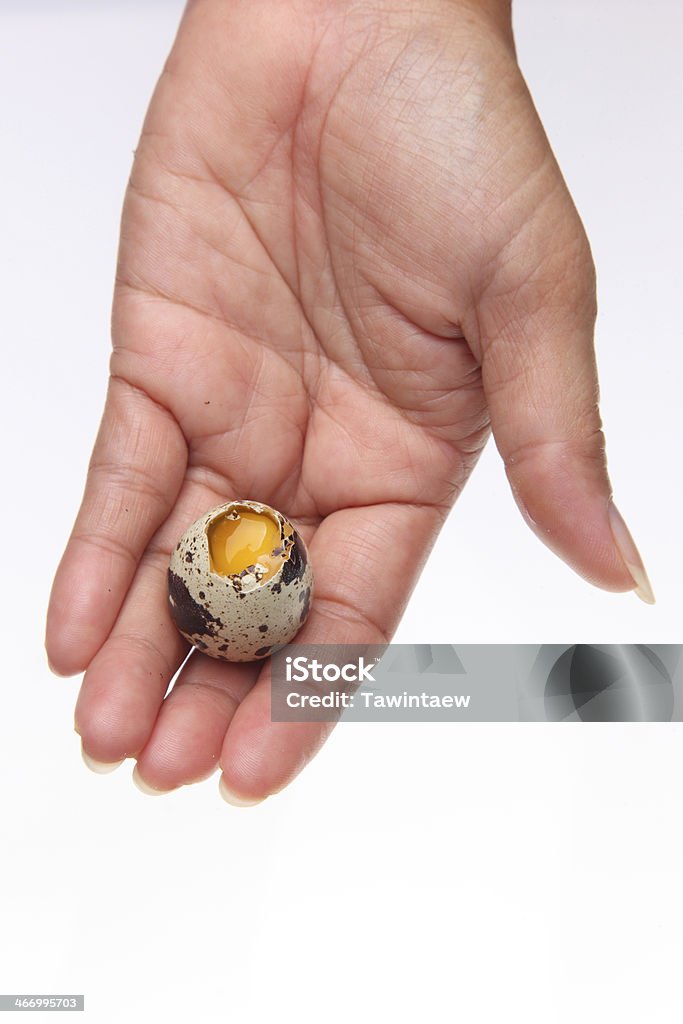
(346, 254)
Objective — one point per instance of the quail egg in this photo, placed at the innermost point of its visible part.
(240, 582)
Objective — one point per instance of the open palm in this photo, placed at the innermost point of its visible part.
(346, 253)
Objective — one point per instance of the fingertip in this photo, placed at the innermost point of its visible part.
(237, 799)
(564, 498)
(86, 598)
(61, 670)
(99, 767)
(144, 786)
(66, 665)
(62, 659)
(261, 757)
(628, 550)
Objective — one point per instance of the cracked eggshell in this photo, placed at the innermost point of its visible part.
(238, 617)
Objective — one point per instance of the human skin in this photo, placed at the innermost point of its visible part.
(347, 256)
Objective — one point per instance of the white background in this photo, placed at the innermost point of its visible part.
(417, 872)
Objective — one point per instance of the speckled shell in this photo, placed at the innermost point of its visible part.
(238, 618)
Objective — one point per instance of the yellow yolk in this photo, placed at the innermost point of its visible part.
(235, 544)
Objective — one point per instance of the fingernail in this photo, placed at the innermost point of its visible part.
(100, 767)
(145, 787)
(629, 552)
(234, 799)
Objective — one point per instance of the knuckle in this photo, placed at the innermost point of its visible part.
(142, 646)
(130, 480)
(588, 446)
(348, 620)
(106, 541)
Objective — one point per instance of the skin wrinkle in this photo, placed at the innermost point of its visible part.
(132, 480)
(238, 200)
(145, 287)
(493, 268)
(529, 449)
(222, 484)
(241, 201)
(319, 159)
(144, 394)
(249, 384)
(280, 351)
(347, 612)
(295, 190)
(491, 208)
(216, 692)
(141, 640)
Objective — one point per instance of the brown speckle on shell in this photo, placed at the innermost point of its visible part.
(189, 616)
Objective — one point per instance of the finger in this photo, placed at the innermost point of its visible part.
(365, 564)
(125, 683)
(536, 320)
(187, 737)
(134, 475)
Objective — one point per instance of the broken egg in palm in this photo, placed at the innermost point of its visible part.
(240, 582)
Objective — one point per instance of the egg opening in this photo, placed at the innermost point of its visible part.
(241, 540)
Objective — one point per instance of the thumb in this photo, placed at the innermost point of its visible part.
(536, 320)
